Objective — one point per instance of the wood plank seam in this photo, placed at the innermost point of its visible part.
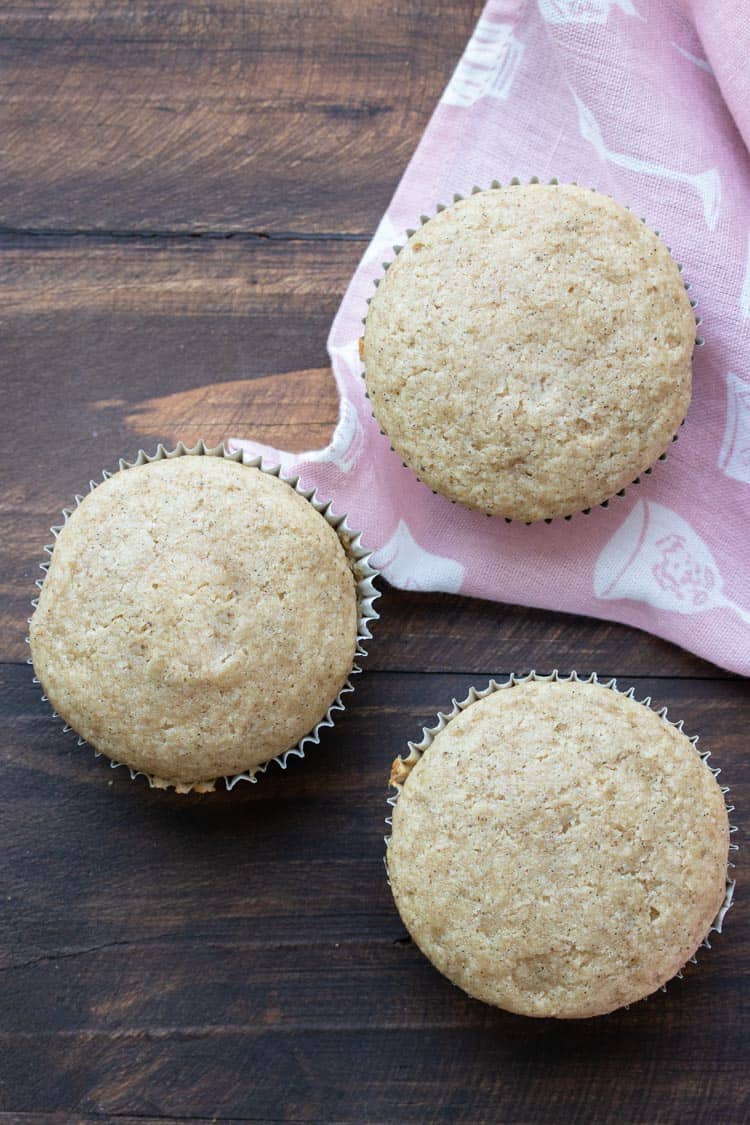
(218, 233)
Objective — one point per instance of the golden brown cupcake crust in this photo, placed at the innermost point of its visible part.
(528, 353)
(198, 618)
(559, 850)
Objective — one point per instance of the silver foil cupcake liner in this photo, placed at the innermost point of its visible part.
(359, 561)
(403, 766)
(516, 182)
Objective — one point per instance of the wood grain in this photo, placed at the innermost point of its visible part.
(205, 177)
(251, 116)
(110, 346)
(240, 953)
(113, 345)
(97, 332)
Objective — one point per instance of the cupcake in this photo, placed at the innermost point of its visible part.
(528, 353)
(558, 849)
(199, 617)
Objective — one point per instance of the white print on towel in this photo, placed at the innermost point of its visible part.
(347, 442)
(583, 11)
(734, 458)
(745, 294)
(656, 557)
(702, 63)
(349, 356)
(407, 565)
(707, 184)
(381, 248)
(488, 65)
(343, 451)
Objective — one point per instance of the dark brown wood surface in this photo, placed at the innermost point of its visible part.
(185, 189)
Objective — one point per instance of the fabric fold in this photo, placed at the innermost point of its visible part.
(635, 99)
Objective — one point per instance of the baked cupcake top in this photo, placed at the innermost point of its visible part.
(558, 850)
(197, 619)
(528, 353)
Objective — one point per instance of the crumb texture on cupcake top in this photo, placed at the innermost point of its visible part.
(559, 850)
(528, 353)
(198, 618)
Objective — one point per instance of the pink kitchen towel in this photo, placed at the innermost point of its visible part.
(648, 101)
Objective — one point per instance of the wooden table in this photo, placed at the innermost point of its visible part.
(186, 189)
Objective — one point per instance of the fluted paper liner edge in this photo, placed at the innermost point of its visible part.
(398, 247)
(403, 766)
(359, 561)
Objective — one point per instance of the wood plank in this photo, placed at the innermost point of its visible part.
(296, 115)
(104, 341)
(239, 954)
(335, 798)
(405, 1075)
(112, 345)
(450, 633)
